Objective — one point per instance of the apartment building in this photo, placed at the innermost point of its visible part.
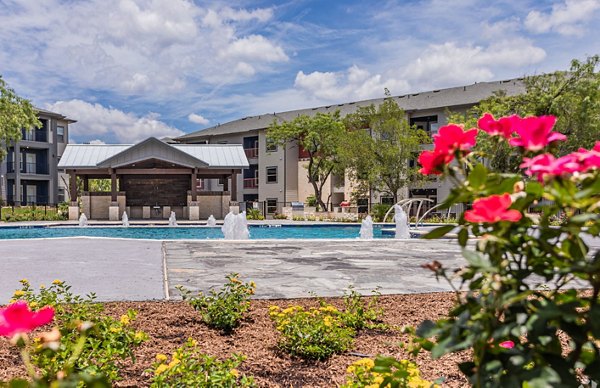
(277, 174)
(29, 174)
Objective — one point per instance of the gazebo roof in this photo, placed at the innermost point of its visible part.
(209, 156)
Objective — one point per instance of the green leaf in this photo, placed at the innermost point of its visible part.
(478, 176)
(425, 329)
(463, 237)
(439, 232)
(476, 259)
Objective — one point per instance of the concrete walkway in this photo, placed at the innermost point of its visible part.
(113, 269)
(294, 268)
(138, 269)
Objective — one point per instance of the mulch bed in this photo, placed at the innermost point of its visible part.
(170, 324)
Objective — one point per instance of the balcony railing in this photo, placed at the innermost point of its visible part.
(251, 152)
(34, 168)
(34, 135)
(250, 183)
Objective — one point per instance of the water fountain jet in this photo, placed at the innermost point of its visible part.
(83, 221)
(125, 220)
(235, 227)
(401, 223)
(172, 219)
(211, 222)
(366, 228)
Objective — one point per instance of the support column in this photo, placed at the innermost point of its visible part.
(234, 187)
(74, 205)
(225, 183)
(193, 208)
(113, 209)
(86, 183)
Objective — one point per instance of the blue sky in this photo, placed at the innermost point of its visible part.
(129, 69)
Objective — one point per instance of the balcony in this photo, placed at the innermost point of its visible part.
(251, 153)
(34, 168)
(39, 135)
(250, 183)
(10, 167)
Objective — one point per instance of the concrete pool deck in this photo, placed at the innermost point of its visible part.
(146, 270)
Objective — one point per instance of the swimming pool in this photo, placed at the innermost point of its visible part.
(257, 232)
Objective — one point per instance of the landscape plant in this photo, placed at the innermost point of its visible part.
(254, 214)
(387, 372)
(88, 341)
(17, 321)
(527, 306)
(317, 333)
(188, 367)
(223, 309)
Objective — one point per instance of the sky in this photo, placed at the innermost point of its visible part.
(130, 69)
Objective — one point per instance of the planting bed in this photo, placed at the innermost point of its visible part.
(170, 324)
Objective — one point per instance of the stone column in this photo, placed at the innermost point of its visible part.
(113, 209)
(74, 205)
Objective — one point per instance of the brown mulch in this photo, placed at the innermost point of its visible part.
(170, 324)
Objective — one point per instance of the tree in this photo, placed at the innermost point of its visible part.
(572, 96)
(321, 137)
(15, 113)
(381, 147)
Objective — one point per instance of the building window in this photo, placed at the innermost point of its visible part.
(386, 200)
(221, 181)
(271, 145)
(427, 123)
(271, 174)
(60, 134)
(271, 205)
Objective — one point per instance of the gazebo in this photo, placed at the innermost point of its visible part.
(152, 178)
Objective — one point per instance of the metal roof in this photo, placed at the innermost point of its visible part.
(450, 97)
(214, 155)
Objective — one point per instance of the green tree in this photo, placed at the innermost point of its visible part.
(15, 113)
(321, 137)
(572, 96)
(380, 148)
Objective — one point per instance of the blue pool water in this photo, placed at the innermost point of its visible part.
(191, 233)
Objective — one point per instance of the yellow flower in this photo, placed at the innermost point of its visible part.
(161, 368)
(24, 281)
(273, 308)
(115, 329)
(57, 282)
(42, 286)
(124, 320)
(327, 321)
(235, 372)
(252, 284)
(19, 293)
(139, 336)
(378, 380)
(194, 342)
(33, 305)
(161, 357)
(174, 362)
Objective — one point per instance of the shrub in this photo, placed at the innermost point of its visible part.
(106, 342)
(254, 214)
(384, 372)
(224, 309)
(311, 201)
(297, 218)
(359, 314)
(190, 368)
(278, 216)
(520, 316)
(316, 333)
(378, 211)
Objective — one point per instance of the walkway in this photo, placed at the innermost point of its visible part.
(135, 269)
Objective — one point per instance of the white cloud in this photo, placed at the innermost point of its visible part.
(450, 64)
(97, 141)
(198, 119)
(565, 18)
(154, 49)
(353, 84)
(95, 121)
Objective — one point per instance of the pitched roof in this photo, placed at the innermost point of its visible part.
(457, 96)
(82, 156)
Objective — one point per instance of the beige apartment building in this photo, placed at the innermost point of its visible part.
(276, 175)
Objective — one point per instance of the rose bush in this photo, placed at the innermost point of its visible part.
(517, 308)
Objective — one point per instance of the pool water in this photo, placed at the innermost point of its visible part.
(192, 233)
